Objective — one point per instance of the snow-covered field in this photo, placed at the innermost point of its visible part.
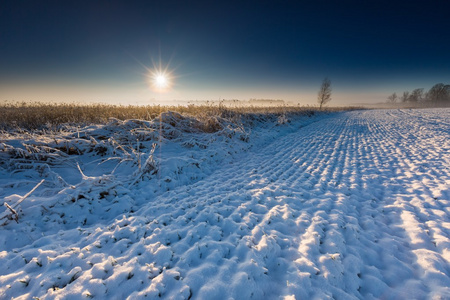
(350, 205)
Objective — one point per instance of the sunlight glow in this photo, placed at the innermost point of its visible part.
(161, 81)
(159, 78)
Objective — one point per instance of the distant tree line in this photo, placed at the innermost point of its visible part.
(438, 95)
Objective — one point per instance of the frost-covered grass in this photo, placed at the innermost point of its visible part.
(172, 148)
(344, 205)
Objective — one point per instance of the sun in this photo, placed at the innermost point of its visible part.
(160, 77)
(161, 81)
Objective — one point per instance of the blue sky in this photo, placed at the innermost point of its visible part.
(103, 51)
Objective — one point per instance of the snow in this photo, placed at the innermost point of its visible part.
(350, 205)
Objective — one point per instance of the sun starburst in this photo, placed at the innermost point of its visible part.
(161, 81)
(160, 78)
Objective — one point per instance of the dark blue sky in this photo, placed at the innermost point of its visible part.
(103, 50)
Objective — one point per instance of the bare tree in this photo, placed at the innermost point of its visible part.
(439, 93)
(392, 98)
(324, 95)
(405, 97)
(416, 96)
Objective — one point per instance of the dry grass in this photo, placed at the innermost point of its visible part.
(30, 116)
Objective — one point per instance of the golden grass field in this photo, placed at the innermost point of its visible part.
(35, 115)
